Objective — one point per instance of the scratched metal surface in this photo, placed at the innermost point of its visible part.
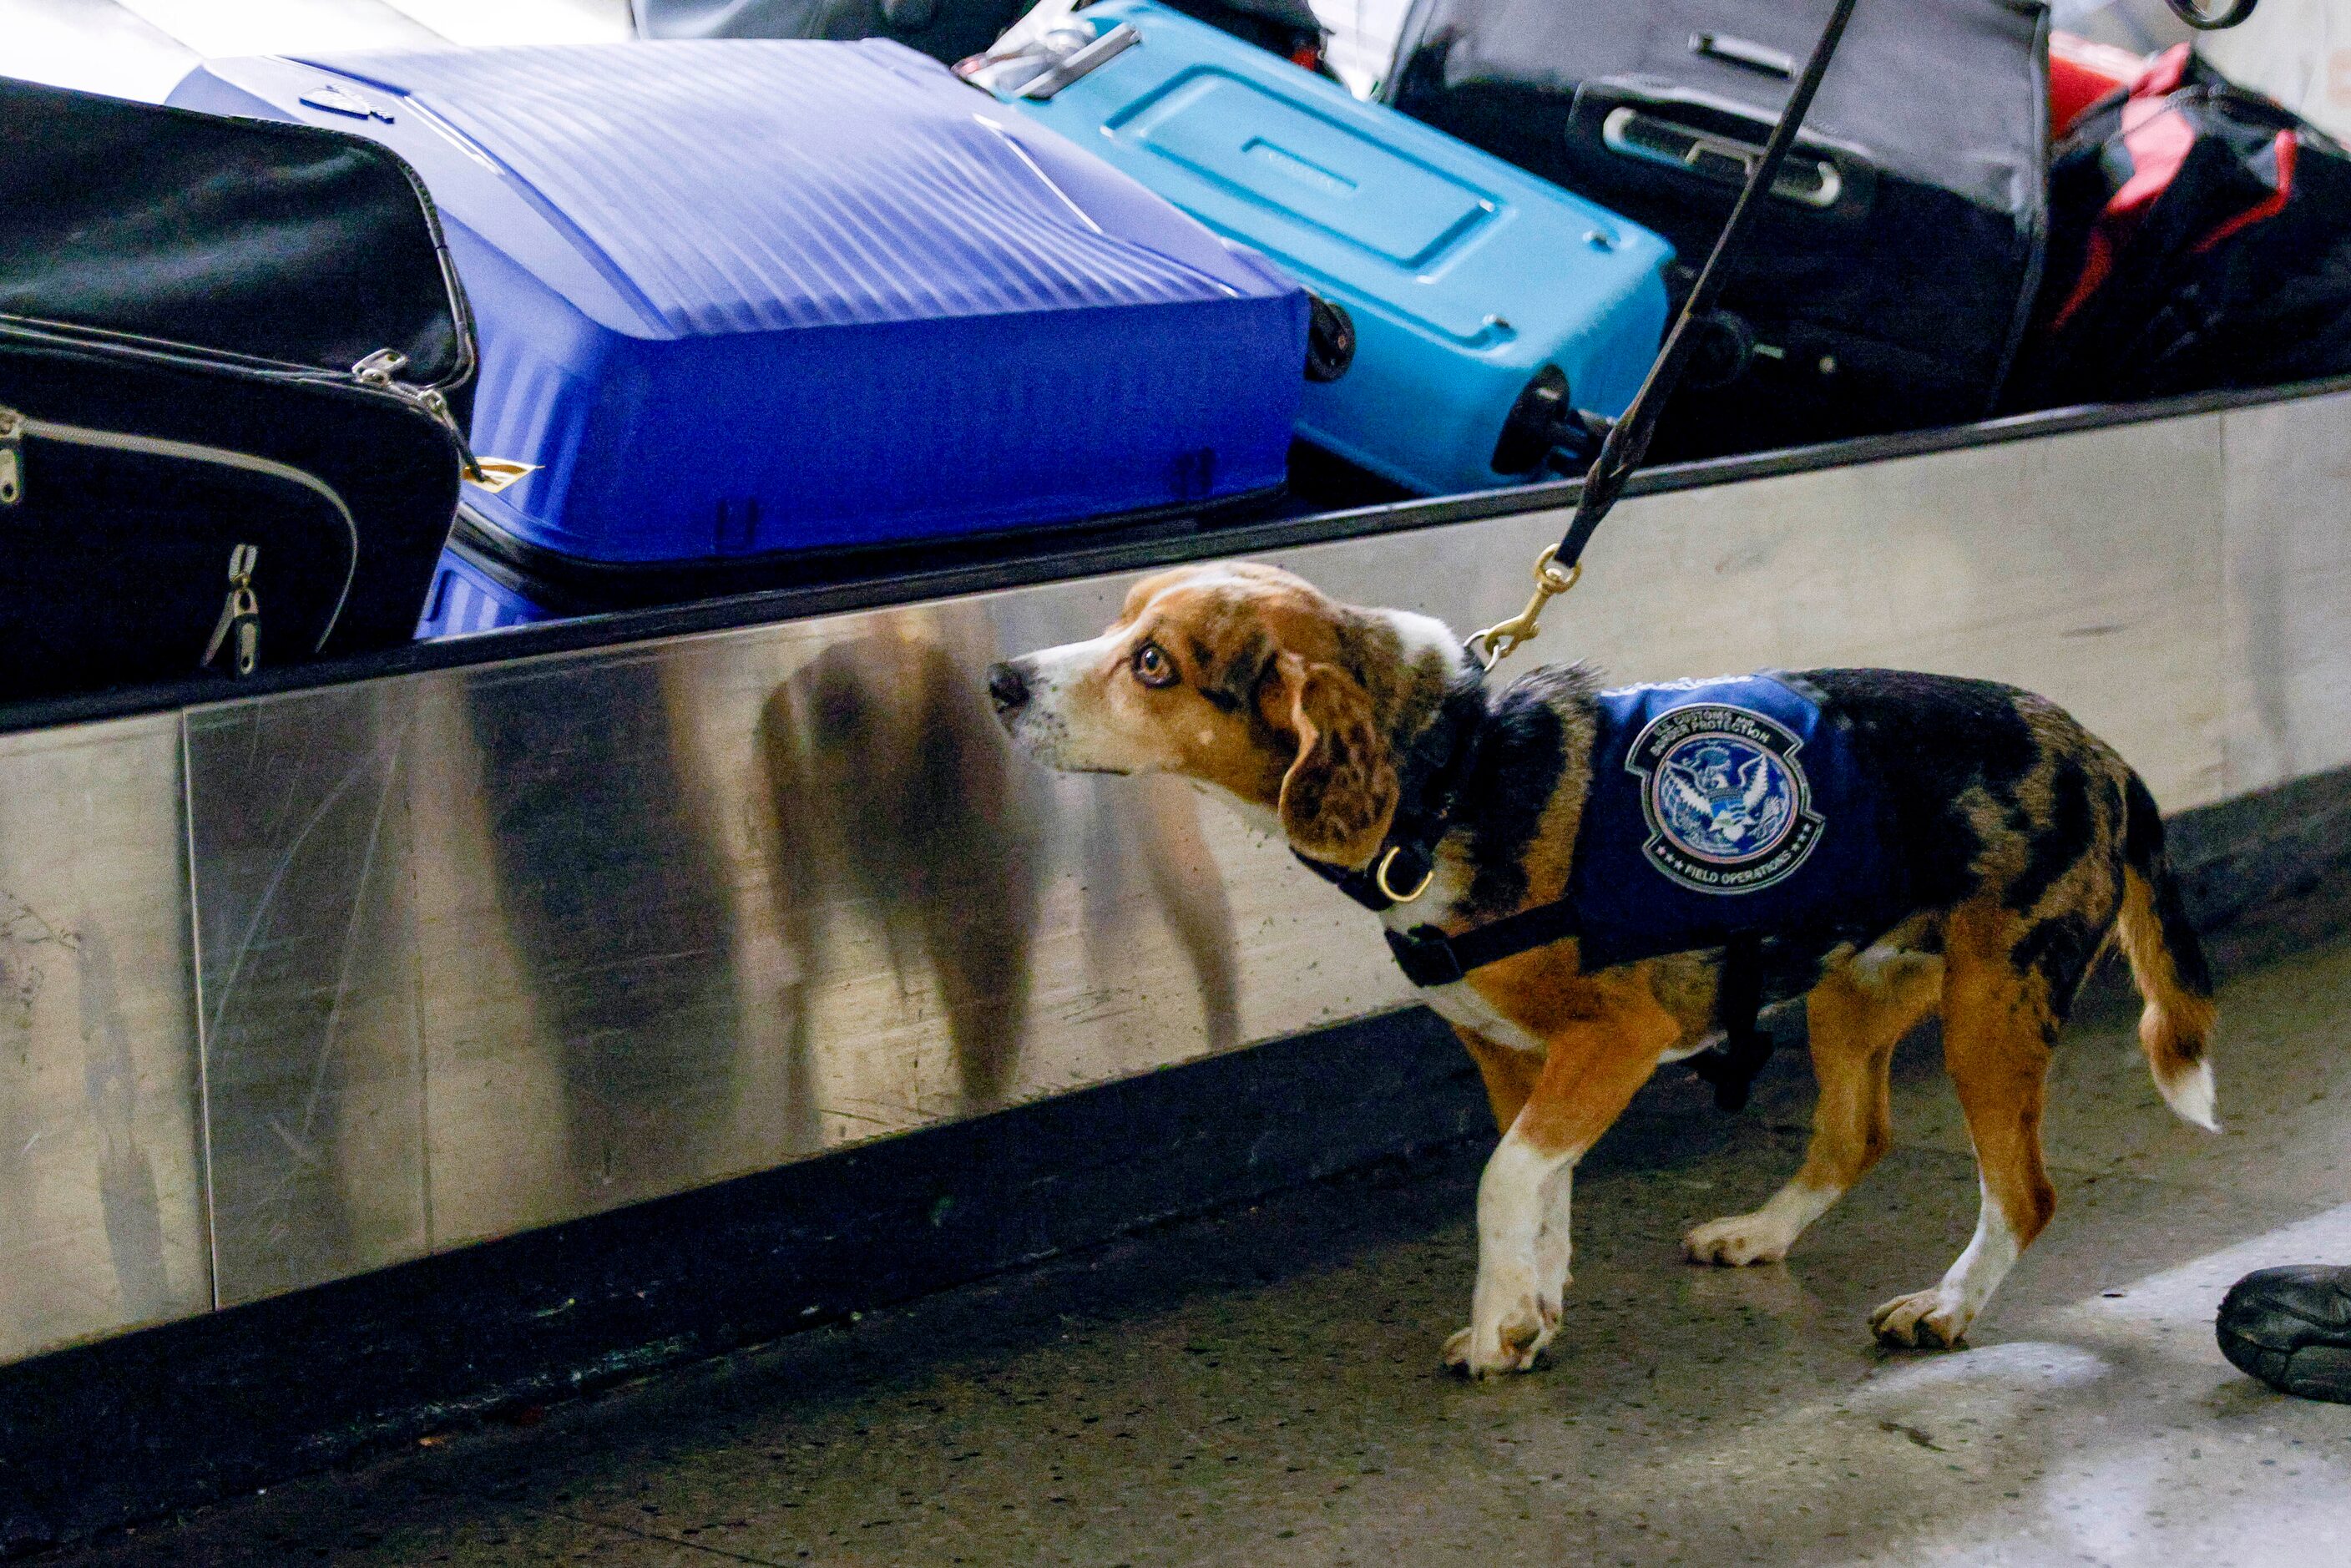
(101, 1177)
(483, 949)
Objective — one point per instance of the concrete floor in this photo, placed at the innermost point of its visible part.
(1263, 1387)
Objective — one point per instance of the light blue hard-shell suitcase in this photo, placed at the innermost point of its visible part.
(740, 299)
(1484, 305)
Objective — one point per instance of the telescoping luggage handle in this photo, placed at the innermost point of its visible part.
(1557, 569)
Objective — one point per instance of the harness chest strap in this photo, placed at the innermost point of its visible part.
(1429, 957)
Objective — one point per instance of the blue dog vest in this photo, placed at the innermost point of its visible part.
(1722, 807)
(1720, 812)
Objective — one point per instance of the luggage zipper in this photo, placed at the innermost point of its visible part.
(240, 620)
(15, 478)
(12, 456)
(378, 370)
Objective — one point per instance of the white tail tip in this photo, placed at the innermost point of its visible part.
(2189, 1095)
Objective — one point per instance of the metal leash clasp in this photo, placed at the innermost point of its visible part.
(1500, 640)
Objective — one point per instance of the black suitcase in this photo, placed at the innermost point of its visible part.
(233, 365)
(943, 29)
(1887, 284)
(950, 30)
(2199, 239)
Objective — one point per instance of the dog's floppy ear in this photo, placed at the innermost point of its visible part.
(1340, 795)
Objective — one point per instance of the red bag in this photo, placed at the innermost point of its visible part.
(2080, 73)
(2200, 237)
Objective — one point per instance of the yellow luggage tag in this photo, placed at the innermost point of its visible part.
(494, 473)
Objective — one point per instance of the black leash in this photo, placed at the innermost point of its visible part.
(1628, 439)
(1401, 870)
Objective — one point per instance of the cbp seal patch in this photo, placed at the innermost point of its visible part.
(1728, 807)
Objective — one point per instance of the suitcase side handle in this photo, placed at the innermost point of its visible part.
(1812, 183)
(1745, 52)
(1720, 141)
(1080, 63)
(1041, 66)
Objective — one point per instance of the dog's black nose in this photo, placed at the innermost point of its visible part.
(1008, 688)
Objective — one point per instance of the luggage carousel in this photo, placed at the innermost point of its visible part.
(395, 1039)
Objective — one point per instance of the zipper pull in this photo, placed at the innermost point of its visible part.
(239, 629)
(12, 458)
(469, 465)
(379, 369)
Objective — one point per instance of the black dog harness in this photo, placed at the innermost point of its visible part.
(1718, 813)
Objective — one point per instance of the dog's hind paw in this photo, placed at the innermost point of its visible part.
(1924, 1320)
(1741, 1240)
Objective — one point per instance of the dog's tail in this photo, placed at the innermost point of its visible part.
(2167, 962)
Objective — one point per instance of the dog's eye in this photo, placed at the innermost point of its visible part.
(1153, 667)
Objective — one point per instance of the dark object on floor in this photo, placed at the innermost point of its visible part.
(2291, 1328)
(2200, 237)
(234, 362)
(1887, 282)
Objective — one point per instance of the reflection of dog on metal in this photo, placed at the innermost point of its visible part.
(615, 896)
(892, 770)
(1992, 851)
(36, 1066)
(883, 761)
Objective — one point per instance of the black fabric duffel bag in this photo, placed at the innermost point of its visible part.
(1888, 282)
(2199, 239)
(234, 361)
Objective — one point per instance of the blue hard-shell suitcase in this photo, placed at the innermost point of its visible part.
(738, 298)
(475, 591)
(1485, 305)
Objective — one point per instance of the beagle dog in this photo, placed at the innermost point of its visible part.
(1885, 845)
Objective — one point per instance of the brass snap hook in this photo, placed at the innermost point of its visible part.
(1380, 879)
(1500, 640)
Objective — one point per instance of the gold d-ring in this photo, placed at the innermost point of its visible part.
(1380, 879)
(1500, 640)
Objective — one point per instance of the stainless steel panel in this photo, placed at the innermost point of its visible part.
(786, 890)
(2287, 508)
(2086, 566)
(579, 970)
(101, 1189)
(493, 948)
(299, 832)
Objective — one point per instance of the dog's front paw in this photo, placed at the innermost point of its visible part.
(1510, 1344)
(1741, 1240)
(1924, 1320)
